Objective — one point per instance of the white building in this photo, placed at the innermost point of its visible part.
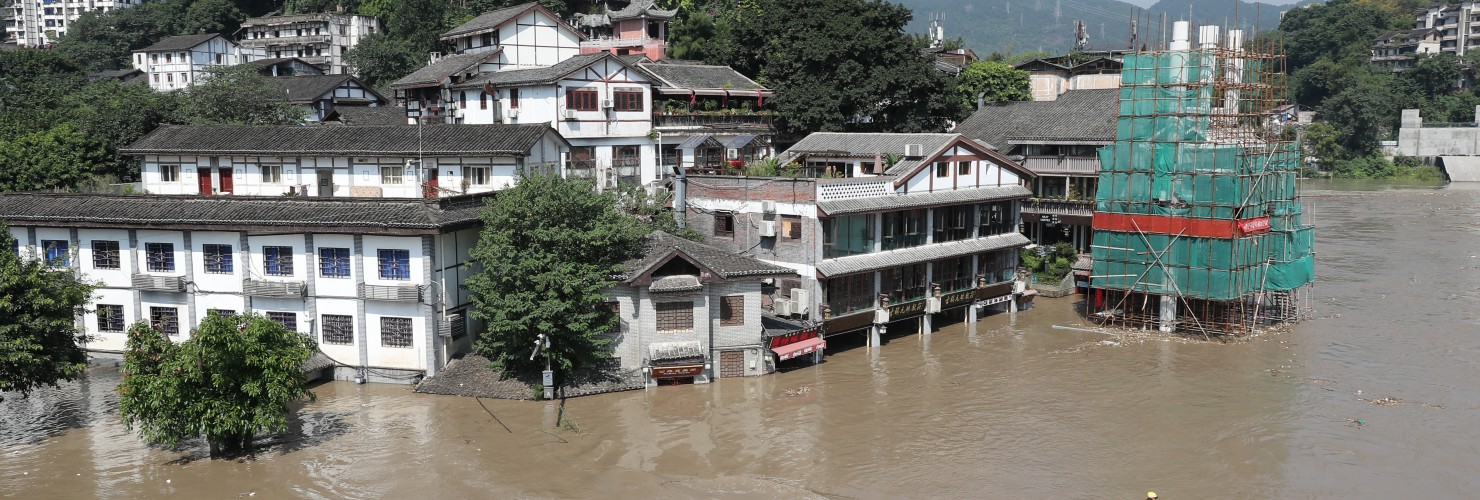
(38, 23)
(321, 94)
(320, 39)
(378, 283)
(180, 61)
(369, 161)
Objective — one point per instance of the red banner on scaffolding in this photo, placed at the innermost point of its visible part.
(1160, 224)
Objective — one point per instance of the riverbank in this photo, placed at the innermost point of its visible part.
(474, 376)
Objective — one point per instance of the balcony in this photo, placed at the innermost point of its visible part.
(1048, 206)
(685, 120)
(152, 283)
(285, 289)
(282, 41)
(606, 43)
(1063, 165)
(398, 293)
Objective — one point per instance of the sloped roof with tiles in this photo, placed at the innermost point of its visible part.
(1082, 116)
(701, 76)
(492, 20)
(333, 215)
(432, 74)
(308, 88)
(661, 247)
(534, 76)
(181, 42)
(369, 140)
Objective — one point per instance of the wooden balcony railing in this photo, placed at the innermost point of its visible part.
(1062, 164)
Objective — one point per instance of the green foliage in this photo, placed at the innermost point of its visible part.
(235, 378)
(1339, 30)
(235, 95)
(106, 40)
(33, 84)
(1052, 264)
(40, 343)
(51, 159)
(381, 59)
(653, 212)
(211, 16)
(549, 248)
(993, 82)
(1434, 74)
(1377, 167)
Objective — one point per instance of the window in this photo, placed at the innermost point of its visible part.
(220, 312)
(339, 330)
(904, 229)
(581, 100)
(627, 160)
(56, 252)
(849, 294)
(169, 57)
(272, 174)
(627, 101)
(953, 274)
(952, 223)
(105, 254)
(395, 264)
(287, 319)
(220, 58)
(477, 176)
(675, 316)
(154, 58)
(963, 168)
(395, 332)
(160, 257)
(612, 311)
(791, 226)
(169, 172)
(165, 319)
(334, 262)
(996, 218)
(847, 235)
(904, 283)
(487, 39)
(724, 223)
(482, 100)
(732, 310)
(390, 175)
(277, 261)
(217, 258)
(110, 318)
(514, 98)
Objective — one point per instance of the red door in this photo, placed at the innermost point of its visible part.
(430, 188)
(226, 181)
(203, 176)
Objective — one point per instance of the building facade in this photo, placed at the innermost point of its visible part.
(179, 61)
(1399, 50)
(319, 95)
(320, 39)
(872, 242)
(1049, 78)
(371, 161)
(378, 283)
(39, 23)
(639, 28)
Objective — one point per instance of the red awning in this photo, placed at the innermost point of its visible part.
(808, 346)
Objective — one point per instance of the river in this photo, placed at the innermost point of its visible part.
(1003, 408)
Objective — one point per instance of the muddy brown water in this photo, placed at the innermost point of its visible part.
(998, 409)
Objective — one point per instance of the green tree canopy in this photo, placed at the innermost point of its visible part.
(232, 380)
(381, 59)
(1340, 30)
(61, 157)
(549, 248)
(236, 95)
(40, 343)
(993, 82)
(33, 85)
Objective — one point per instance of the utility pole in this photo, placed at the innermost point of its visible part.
(542, 342)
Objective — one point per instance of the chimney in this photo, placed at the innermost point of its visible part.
(878, 164)
(1180, 36)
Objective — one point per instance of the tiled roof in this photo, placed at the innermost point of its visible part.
(318, 214)
(308, 88)
(695, 140)
(866, 145)
(679, 283)
(432, 74)
(881, 260)
(370, 140)
(1077, 115)
(641, 8)
(700, 76)
(265, 63)
(660, 245)
(181, 42)
(682, 350)
(903, 201)
(491, 20)
(365, 115)
(534, 76)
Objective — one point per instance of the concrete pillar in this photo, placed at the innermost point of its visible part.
(926, 324)
(971, 314)
(1168, 313)
(875, 334)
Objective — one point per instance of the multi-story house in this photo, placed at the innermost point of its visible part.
(1399, 50)
(1049, 78)
(179, 61)
(39, 23)
(686, 310)
(639, 28)
(321, 94)
(879, 227)
(377, 282)
(321, 39)
(708, 116)
(1059, 141)
(371, 161)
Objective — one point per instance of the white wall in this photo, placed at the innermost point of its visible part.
(343, 353)
(348, 173)
(116, 278)
(335, 287)
(413, 357)
(211, 282)
(371, 263)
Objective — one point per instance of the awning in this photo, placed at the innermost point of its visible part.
(695, 140)
(740, 141)
(804, 347)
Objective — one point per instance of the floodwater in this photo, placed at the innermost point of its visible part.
(1004, 408)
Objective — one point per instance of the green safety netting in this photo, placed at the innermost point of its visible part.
(1168, 161)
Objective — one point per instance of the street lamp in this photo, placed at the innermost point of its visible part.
(542, 342)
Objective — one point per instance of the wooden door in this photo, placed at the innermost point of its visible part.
(203, 177)
(226, 185)
(732, 364)
(429, 190)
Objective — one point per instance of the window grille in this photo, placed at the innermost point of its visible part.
(160, 256)
(334, 262)
(105, 254)
(217, 258)
(277, 261)
(56, 252)
(287, 319)
(675, 316)
(395, 265)
(110, 318)
(395, 332)
(724, 223)
(338, 329)
(732, 310)
(165, 319)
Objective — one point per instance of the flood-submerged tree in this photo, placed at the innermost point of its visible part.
(235, 378)
(40, 300)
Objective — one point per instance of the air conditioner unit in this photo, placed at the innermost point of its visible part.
(932, 305)
(914, 150)
(457, 113)
(768, 229)
(513, 113)
(881, 316)
(803, 299)
(606, 104)
(570, 114)
(782, 308)
(768, 206)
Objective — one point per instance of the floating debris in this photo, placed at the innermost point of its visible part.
(1387, 401)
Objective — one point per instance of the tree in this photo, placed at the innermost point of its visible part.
(106, 40)
(549, 248)
(1340, 30)
(52, 159)
(1435, 74)
(235, 378)
(993, 81)
(40, 343)
(118, 114)
(211, 16)
(236, 95)
(380, 59)
(33, 83)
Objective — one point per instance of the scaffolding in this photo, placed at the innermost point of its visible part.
(1198, 220)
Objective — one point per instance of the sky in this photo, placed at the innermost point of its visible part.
(1149, 3)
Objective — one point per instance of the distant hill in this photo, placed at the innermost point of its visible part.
(1026, 25)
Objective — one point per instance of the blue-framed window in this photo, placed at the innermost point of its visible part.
(395, 264)
(56, 252)
(160, 257)
(105, 254)
(334, 262)
(217, 258)
(277, 261)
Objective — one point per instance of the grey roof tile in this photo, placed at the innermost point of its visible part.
(937, 198)
(389, 140)
(308, 88)
(641, 8)
(491, 20)
(1077, 115)
(181, 42)
(867, 145)
(317, 214)
(700, 76)
(533, 76)
(432, 74)
(660, 244)
(365, 115)
(881, 260)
